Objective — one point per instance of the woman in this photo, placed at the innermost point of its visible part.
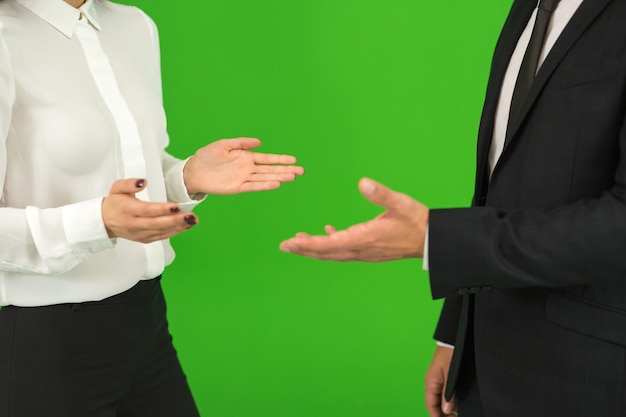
(89, 200)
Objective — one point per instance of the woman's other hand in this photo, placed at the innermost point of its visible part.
(127, 217)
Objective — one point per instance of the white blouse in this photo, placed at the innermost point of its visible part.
(80, 107)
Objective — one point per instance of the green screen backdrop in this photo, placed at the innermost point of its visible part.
(390, 90)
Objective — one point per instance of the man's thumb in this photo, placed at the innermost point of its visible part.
(377, 193)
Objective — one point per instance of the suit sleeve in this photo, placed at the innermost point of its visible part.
(484, 249)
(448, 321)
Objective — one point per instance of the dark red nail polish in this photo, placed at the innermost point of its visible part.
(139, 183)
(174, 209)
(190, 220)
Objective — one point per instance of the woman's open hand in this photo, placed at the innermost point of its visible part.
(228, 166)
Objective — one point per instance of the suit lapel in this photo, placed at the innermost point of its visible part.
(518, 17)
(584, 16)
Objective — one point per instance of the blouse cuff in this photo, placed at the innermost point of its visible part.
(84, 228)
(176, 189)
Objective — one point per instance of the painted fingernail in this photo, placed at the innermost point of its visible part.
(139, 183)
(174, 209)
(190, 220)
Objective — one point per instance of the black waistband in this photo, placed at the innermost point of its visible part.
(137, 291)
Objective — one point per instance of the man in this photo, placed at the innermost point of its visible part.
(534, 273)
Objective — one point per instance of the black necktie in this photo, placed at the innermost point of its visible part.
(531, 59)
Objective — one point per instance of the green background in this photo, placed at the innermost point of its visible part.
(391, 90)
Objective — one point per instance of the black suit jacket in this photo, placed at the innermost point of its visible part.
(542, 252)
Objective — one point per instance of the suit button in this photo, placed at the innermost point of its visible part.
(487, 289)
(474, 290)
(463, 291)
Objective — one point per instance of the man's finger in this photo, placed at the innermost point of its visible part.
(337, 246)
(449, 408)
(329, 229)
(433, 395)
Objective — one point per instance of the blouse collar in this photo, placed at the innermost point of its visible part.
(61, 15)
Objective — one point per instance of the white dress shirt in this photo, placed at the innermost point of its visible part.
(80, 107)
